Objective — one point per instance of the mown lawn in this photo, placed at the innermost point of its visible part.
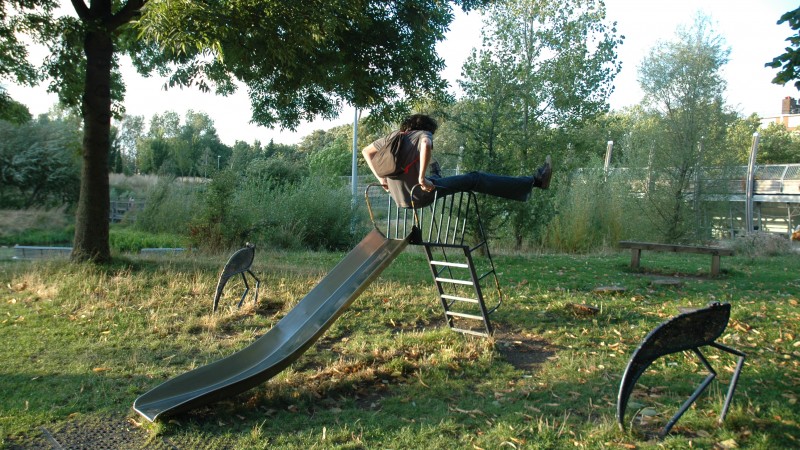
(80, 343)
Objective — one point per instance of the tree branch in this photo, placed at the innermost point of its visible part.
(83, 11)
(131, 9)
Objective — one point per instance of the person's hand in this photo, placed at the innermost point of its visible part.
(426, 185)
(384, 184)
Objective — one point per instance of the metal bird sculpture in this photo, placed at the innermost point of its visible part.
(239, 263)
(688, 331)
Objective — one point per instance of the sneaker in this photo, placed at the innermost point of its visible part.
(541, 178)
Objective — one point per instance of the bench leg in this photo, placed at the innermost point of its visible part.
(715, 265)
(635, 254)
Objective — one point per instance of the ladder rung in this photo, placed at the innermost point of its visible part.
(460, 299)
(450, 280)
(450, 264)
(473, 332)
(464, 316)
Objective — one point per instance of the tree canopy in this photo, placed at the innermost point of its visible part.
(685, 120)
(299, 60)
(789, 62)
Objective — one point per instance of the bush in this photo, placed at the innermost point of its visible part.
(590, 215)
(222, 222)
(312, 214)
(761, 244)
(274, 171)
(170, 206)
(129, 240)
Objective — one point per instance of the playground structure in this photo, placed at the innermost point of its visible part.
(457, 249)
(281, 345)
(686, 332)
(238, 264)
(452, 236)
(447, 227)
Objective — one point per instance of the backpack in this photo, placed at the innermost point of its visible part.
(396, 157)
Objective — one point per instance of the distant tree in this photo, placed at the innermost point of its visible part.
(335, 159)
(542, 67)
(130, 133)
(789, 62)
(197, 136)
(12, 110)
(152, 151)
(778, 145)
(739, 138)
(39, 163)
(243, 154)
(683, 86)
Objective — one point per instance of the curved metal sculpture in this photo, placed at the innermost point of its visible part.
(239, 263)
(688, 331)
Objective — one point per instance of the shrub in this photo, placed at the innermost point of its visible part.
(761, 244)
(274, 171)
(170, 206)
(222, 222)
(129, 240)
(311, 214)
(590, 215)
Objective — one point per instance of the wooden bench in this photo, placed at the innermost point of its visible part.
(637, 247)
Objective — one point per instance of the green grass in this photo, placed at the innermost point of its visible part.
(80, 343)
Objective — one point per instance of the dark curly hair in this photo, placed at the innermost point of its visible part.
(419, 122)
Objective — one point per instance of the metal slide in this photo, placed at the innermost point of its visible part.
(284, 343)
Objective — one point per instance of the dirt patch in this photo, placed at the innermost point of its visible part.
(522, 350)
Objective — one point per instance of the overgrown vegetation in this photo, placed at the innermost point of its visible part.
(85, 341)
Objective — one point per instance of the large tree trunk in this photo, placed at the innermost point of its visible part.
(91, 221)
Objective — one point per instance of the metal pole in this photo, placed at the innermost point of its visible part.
(354, 168)
(750, 181)
(609, 148)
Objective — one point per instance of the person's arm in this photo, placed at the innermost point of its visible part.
(425, 147)
(369, 152)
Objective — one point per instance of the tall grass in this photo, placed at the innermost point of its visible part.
(590, 215)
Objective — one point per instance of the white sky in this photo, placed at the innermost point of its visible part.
(749, 28)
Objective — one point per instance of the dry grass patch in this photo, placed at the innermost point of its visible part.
(16, 221)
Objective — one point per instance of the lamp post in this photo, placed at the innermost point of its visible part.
(218, 156)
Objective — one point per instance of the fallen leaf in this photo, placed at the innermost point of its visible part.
(727, 444)
(100, 369)
(648, 412)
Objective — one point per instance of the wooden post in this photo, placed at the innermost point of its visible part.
(714, 265)
(636, 253)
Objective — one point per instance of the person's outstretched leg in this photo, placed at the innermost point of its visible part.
(512, 188)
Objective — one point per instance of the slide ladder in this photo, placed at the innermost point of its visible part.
(455, 244)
